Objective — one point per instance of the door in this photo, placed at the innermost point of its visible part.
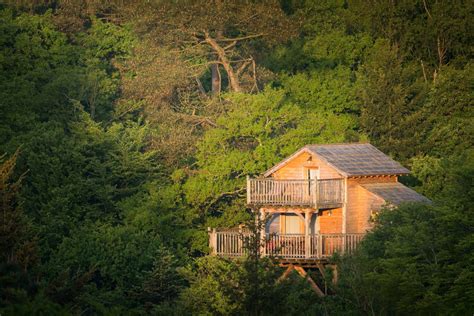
(313, 176)
(291, 224)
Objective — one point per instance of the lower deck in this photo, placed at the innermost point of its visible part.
(285, 247)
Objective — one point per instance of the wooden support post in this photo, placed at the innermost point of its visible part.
(311, 282)
(344, 215)
(322, 270)
(287, 272)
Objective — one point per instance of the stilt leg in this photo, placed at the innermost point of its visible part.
(311, 282)
(286, 273)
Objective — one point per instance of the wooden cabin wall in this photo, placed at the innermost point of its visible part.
(330, 224)
(360, 204)
(295, 169)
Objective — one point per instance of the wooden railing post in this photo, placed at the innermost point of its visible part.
(249, 191)
(261, 226)
(212, 240)
(307, 246)
(209, 232)
(320, 246)
(240, 241)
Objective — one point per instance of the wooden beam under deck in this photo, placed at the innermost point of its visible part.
(305, 263)
(296, 210)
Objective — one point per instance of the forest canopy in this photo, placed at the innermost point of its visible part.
(128, 127)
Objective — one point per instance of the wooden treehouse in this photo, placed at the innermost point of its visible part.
(318, 201)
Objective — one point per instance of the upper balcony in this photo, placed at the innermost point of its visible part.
(323, 193)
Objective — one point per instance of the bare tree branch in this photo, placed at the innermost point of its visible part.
(241, 38)
(426, 9)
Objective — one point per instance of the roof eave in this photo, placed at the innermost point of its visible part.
(377, 174)
(396, 204)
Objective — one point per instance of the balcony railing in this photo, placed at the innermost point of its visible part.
(284, 246)
(313, 193)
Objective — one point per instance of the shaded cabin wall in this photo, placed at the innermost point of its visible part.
(361, 202)
(295, 169)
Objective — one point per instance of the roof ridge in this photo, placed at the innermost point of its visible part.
(341, 144)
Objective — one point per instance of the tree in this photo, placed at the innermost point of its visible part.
(447, 116)
(18, 246)
(189, 50)
(432, 33)
(391, 94)
(218, 33)
(121, 261)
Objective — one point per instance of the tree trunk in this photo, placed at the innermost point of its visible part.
(215, 79)
(233, 78)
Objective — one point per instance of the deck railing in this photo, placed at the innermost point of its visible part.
(284, 246)
(314, 193)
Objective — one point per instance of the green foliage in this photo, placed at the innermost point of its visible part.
(35, 83)
(447, 180)
(448, 112)
(419, 28)
(223, 287)
(102, 44)
(325, 90)
(39, 305)
(122, 261)
(78, 171)
(390, 94)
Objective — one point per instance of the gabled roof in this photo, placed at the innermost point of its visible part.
(395, 192)
(353, 159)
